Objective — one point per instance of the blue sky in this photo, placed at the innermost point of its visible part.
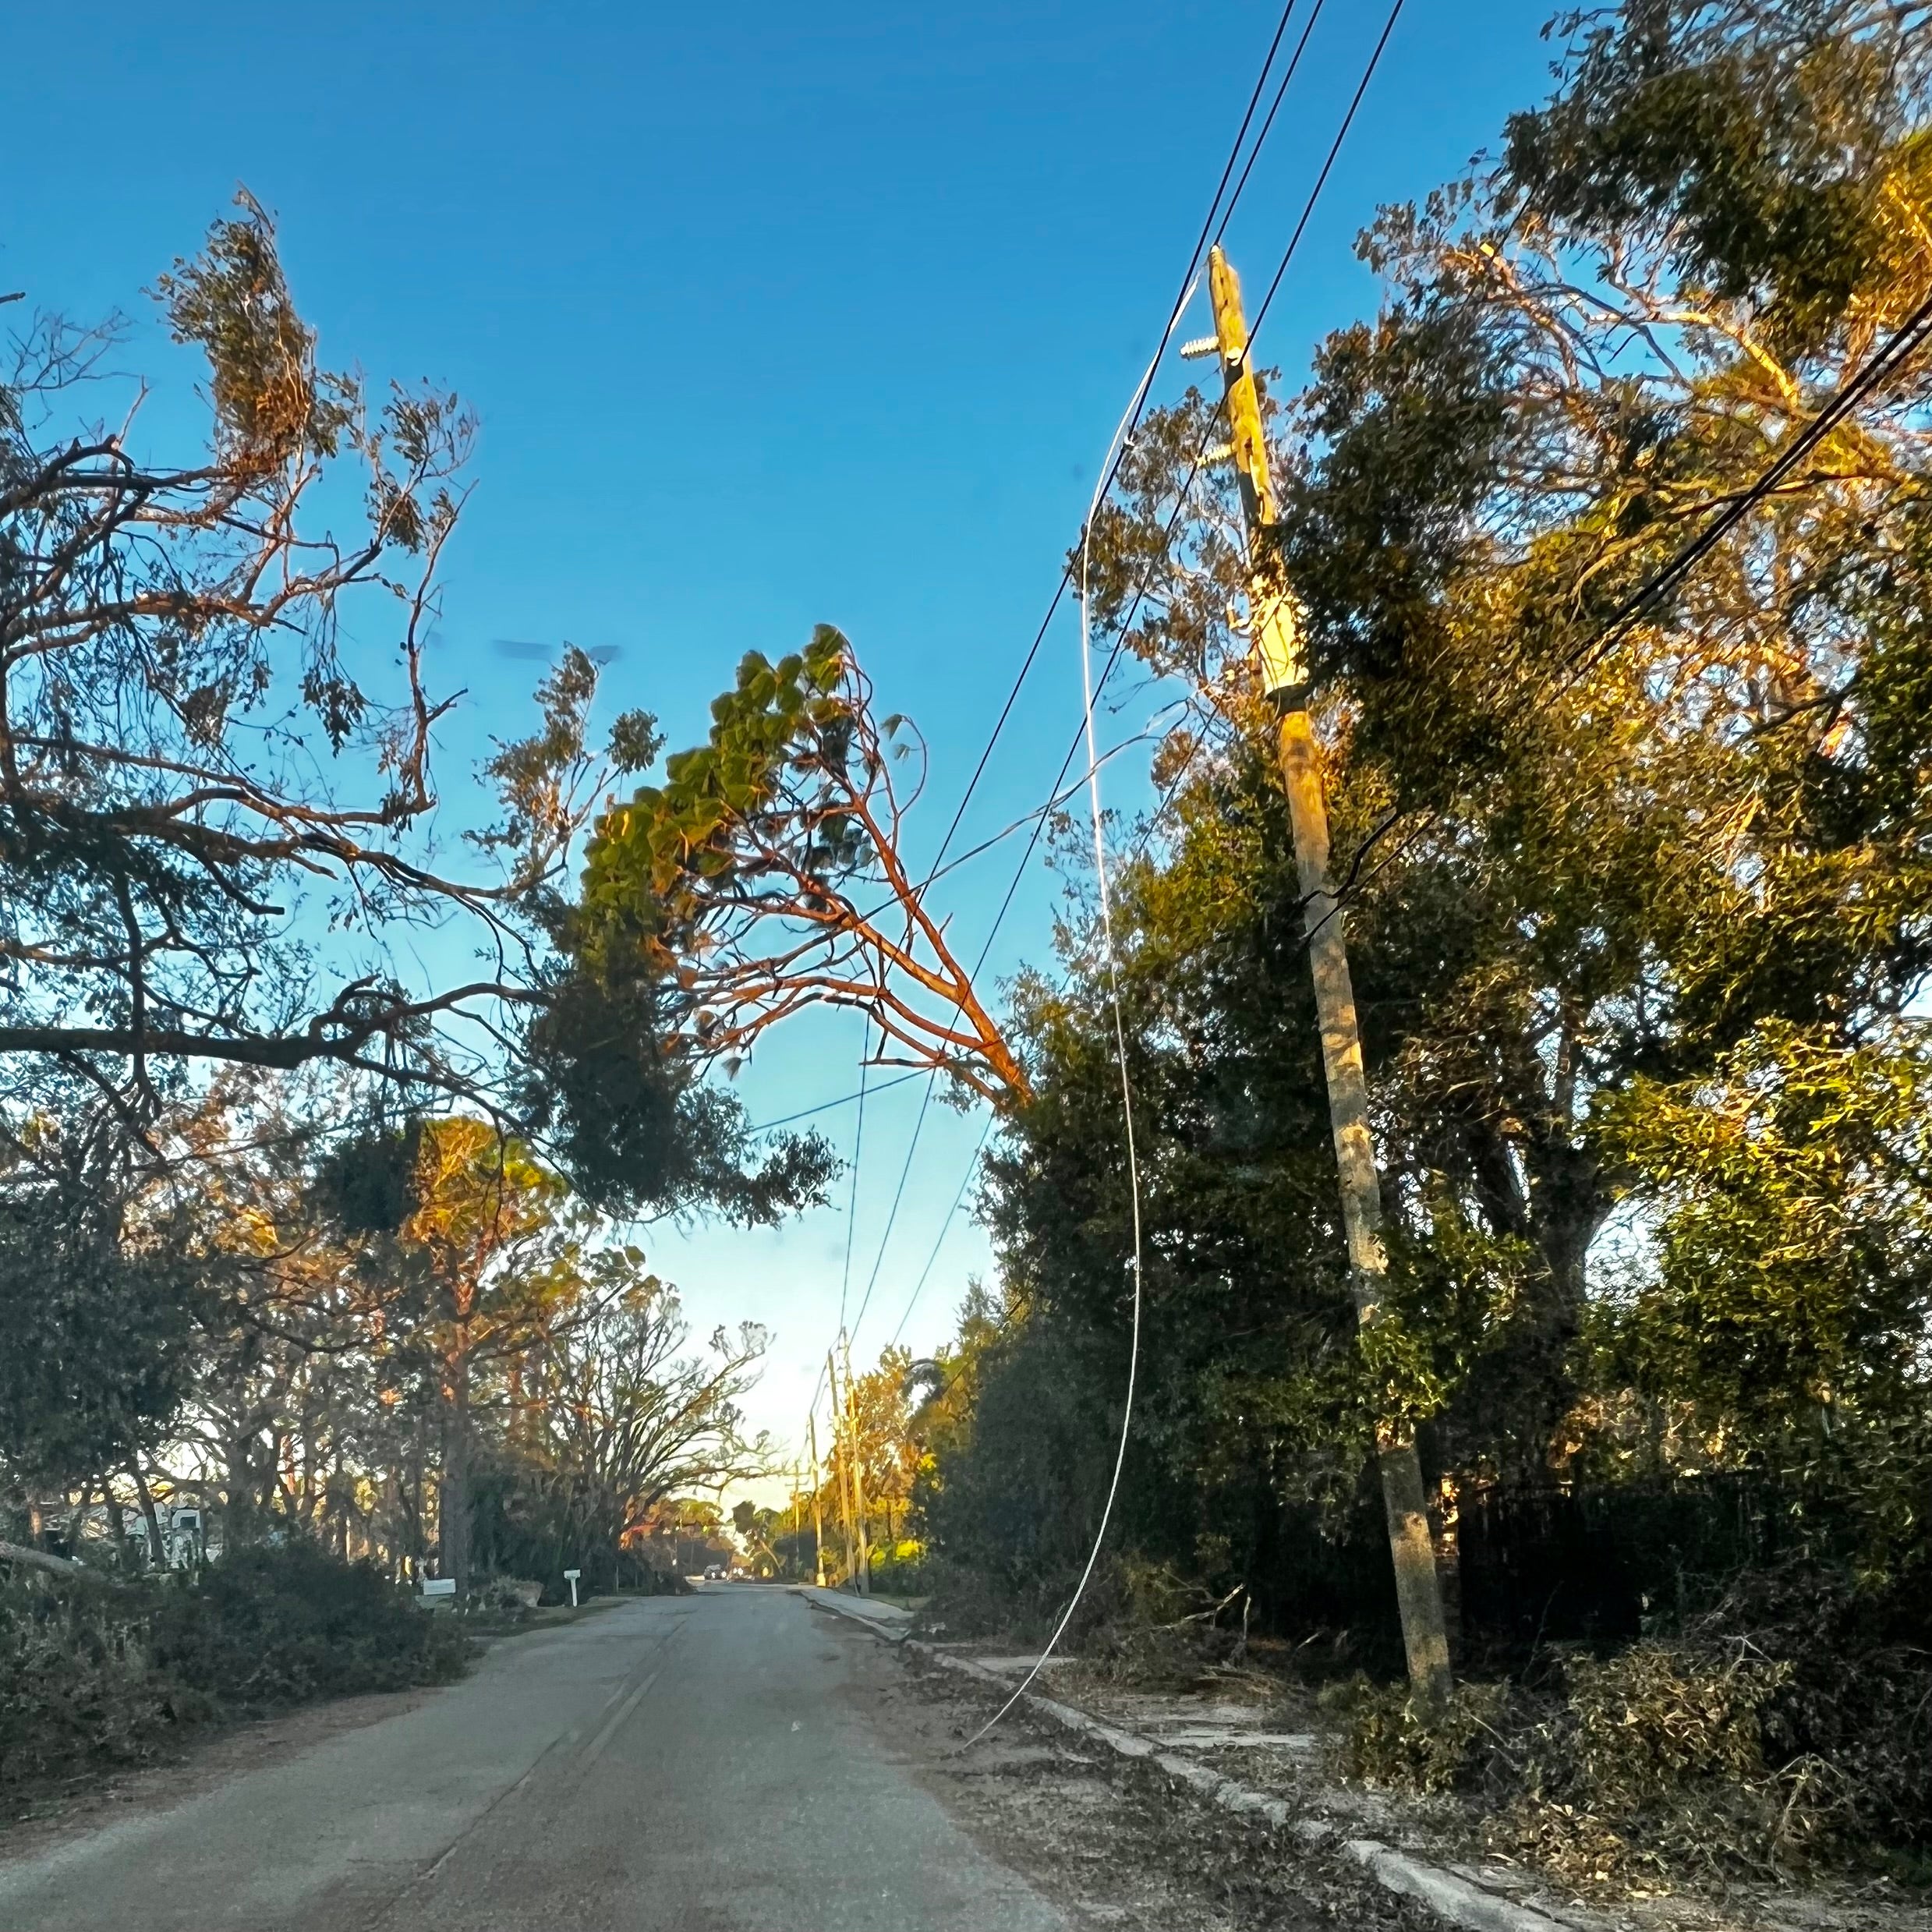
(771, 315)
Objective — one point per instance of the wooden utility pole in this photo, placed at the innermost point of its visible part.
(858, 1474)
(817, 1514)
(1284, 680)
(843, 1452)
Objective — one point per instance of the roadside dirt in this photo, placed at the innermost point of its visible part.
(208, 1755)
(1154, 1835)
(1113, 1842)
(203, 1760)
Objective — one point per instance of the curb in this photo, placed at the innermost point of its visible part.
(1459, 1901)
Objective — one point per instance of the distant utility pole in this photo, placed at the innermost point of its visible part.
(1284, 681)
(817, 1519)
(858, 1474)
(841, 1448)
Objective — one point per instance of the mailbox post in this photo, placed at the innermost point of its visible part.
(570, 1577)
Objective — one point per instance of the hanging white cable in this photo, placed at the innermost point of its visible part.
(1113, 997)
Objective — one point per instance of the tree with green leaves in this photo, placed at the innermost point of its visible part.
(213, 824)
(767, 874)
(1633, 849)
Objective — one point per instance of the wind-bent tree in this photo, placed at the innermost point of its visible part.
(214, 815)
(767, 874)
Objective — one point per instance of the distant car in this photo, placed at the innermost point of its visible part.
(714, 1574)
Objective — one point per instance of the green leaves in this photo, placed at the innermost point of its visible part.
(1793, 1192)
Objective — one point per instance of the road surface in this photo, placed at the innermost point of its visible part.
(697, 1762)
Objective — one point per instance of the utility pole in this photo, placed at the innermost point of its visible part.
(817, 1518)
(1284, 680)
(841, 1448)
(858, 1474)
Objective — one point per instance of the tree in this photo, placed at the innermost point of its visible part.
(485, 1224)
(1636, 882)
(1572, 851)
(767, 874)
(97, 1300)
(211, 826)
(631, 1420)
(169, 638)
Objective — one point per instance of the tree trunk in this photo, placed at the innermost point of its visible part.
(454, 1507)
(237, 1504)
(156, 1550)
(77, 1523)
(37, 1559)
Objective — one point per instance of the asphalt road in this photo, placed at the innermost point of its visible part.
(697, 1762)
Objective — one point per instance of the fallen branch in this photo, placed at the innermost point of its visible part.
(39, 1559)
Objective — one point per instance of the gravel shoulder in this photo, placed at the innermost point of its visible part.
(1112, 1843)
(1174, 1853)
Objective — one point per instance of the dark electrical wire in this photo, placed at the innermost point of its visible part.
(1274, 107)
(844, 1100)
(1040, 820)
(1194, 262)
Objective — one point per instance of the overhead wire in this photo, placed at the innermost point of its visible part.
(859, 1154)
(1090, 694)
(826, 1106)
(1187, 275)
(946, 1225)
(1274, 107)
(1116, 454)
(1117, 451)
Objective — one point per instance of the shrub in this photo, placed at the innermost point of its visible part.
(96, 1671)
(1387, 1739)
(280, 1623)
(1780, 1731)
(76, 1685)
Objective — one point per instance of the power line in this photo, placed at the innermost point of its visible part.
(826, 1106)
(1911, 334)
(898, 1195)
(859, 1154)
(1090, 693)
(1320, 180)
(1274, 107)
(1187, 279)
(946, 1226)
(1200, 457)
(1116, 455)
